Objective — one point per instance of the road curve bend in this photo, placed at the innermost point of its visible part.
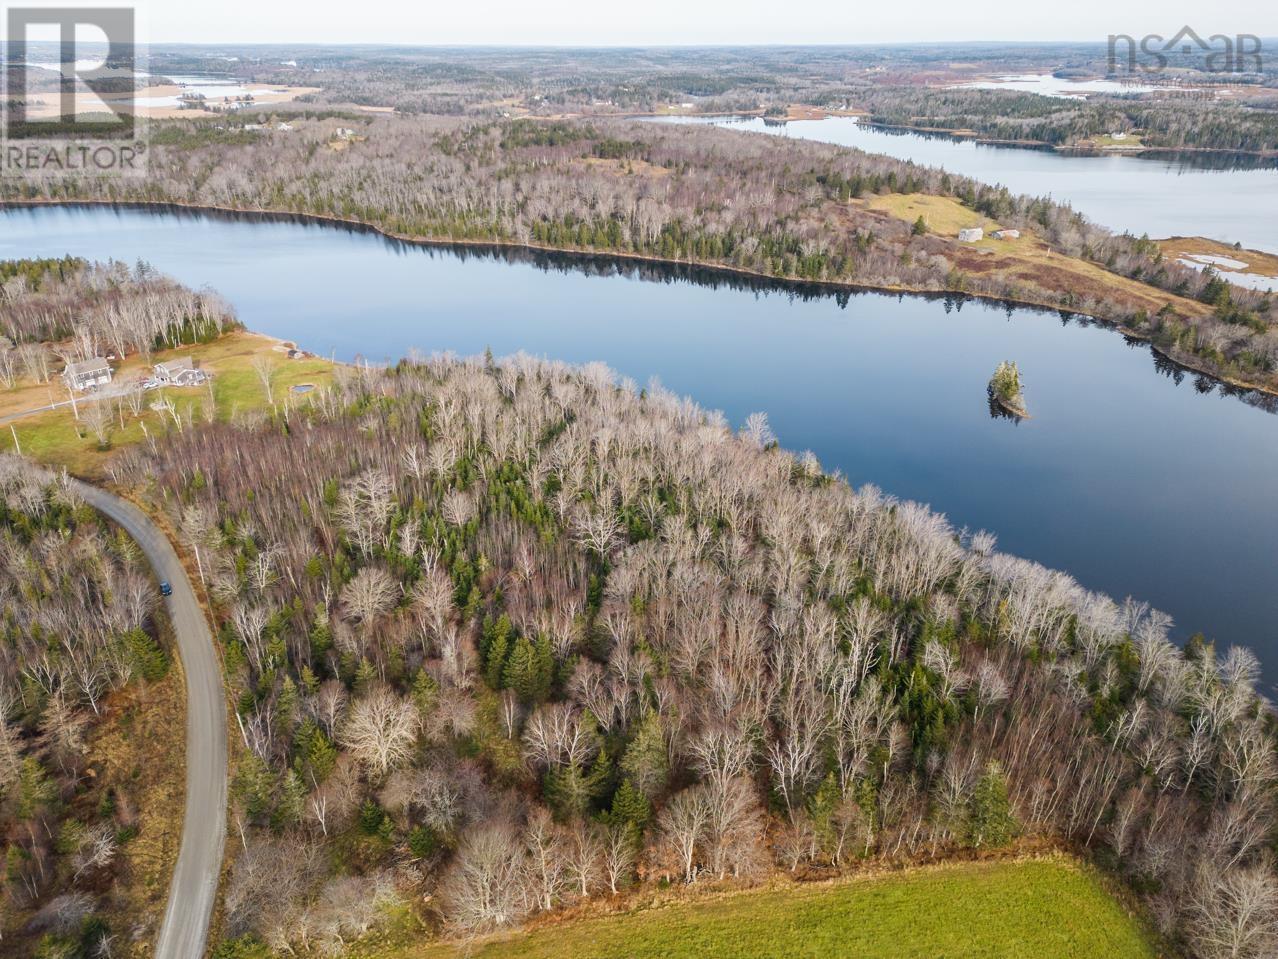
(184, 933)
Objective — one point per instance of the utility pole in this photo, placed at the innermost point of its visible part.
(16, 445)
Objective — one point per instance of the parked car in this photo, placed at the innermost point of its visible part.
(165, 588)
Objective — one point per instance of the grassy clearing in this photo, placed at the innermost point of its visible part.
(624, 167)
(944, 215)
(1037, 909)
(1257, 263)
(1026, 258)
(1133, 141)
(56, 438)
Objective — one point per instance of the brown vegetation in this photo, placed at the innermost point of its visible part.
(90, 772)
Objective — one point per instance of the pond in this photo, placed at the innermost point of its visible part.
(1133, 476)
(1229, 198)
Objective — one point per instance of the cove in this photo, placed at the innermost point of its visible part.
(1134, 476)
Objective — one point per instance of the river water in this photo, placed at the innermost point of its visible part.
(1137, 479)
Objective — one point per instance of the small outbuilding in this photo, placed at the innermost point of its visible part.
(1006, 234)
(87, 374)
(971, 234)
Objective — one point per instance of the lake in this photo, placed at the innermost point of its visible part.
(1048, 85)
(1231, 199)
(1137, 479)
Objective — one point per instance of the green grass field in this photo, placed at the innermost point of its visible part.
(54, 438)
(1042, 909)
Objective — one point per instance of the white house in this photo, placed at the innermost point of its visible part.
(971, 234)
(284, 127)
(1118, 135)
(88, 374)
(1006, 234)
(180, 371)
(344, 133)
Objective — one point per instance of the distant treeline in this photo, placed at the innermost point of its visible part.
(1184, 121)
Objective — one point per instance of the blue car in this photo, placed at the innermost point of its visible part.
(165, 588)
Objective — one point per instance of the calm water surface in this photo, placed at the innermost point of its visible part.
(1166, 196)
(1136, 481)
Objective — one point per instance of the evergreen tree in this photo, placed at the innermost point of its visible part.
(630, 810)
(494, 647)
(989, 813)
(646, 761)
(148, 658)
(35, 789)
(365, 676)
(530, 670)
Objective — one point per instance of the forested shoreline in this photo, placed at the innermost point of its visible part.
(789, 210)
(1175, 122)
(512, 634)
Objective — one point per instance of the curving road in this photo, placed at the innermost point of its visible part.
(191, 893)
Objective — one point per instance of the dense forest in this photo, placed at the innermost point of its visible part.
(778, 207)
(1186, 120)
(508, 635)
(70, 309)
(78, 624)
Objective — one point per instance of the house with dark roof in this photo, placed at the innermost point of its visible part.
(179, 371)
(87, 374)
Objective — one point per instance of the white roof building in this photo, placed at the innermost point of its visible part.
(971, 234)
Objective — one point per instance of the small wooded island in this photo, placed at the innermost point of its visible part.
(1005, 391)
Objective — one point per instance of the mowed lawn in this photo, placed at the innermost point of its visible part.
(56, 439)
(1040, 909)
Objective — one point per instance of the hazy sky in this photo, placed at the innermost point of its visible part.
(609, 22)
